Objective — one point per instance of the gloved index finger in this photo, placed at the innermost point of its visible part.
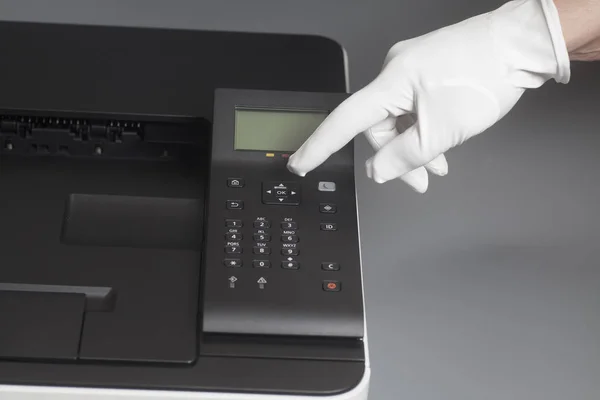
(353, 116)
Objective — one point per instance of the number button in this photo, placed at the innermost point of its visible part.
(233, 250)
(290, 252)
(289, 225)
(290, 238)
(328, 226)
(233, 236)
(261, 237)
(261, 264)
(261, 250)
(233, 223)
(262, 224)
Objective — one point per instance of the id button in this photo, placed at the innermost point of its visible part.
(328, 226)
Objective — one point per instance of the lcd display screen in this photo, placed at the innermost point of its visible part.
(274, 130)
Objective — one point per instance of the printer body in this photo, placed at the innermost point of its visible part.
(153, 243)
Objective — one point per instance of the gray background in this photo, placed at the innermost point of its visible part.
(488, 286)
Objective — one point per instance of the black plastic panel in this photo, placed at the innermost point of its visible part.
(152, 315)
(40, 325)
(96, 298)
(281, 300)
(133, 221)
(299, 348)
(154, 71)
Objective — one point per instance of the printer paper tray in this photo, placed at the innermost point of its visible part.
(73, 227)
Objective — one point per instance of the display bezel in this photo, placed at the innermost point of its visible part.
(228, 100)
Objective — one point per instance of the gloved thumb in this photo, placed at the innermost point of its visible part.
(403, 157)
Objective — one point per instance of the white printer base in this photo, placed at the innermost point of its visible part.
(10, 392)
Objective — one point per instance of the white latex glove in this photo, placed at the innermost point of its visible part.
(455, 83)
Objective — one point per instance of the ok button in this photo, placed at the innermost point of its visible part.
(281, 192)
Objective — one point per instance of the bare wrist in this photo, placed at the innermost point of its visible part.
(580, 21)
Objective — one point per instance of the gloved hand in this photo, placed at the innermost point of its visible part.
(451, 84)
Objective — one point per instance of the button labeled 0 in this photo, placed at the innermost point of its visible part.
(261, 264)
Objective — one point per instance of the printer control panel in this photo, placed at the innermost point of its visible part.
(282, 252)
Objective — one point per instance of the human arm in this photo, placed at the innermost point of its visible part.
(580, 20)
(436, 91)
